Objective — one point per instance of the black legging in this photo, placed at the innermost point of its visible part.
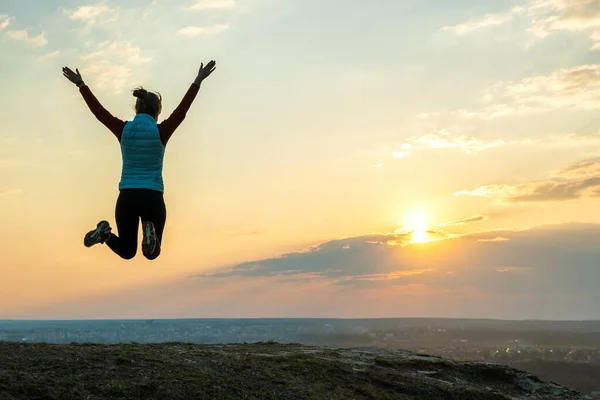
(133, 205)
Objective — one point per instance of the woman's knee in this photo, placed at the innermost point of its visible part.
(128, 255)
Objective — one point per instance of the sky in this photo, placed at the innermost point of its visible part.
(351, 159)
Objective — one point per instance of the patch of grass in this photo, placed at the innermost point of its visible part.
(116, 388)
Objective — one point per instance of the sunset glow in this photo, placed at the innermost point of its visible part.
(417, 224)
(308, 146)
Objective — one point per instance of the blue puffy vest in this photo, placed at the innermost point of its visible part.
(142, 152)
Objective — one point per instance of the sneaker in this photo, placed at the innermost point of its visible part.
(99, 235)
(150, 240)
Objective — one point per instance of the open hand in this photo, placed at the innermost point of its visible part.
(205, 71)
(72, 76)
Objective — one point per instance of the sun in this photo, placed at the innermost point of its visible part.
(417, 223)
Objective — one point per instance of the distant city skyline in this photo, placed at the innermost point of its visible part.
(354, 160)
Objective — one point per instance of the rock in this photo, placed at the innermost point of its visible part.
(527, 384)
(427, 372)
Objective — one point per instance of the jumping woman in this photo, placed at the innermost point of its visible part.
(141, 188)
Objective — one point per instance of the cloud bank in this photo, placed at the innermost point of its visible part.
(539, 261)
(574, 182)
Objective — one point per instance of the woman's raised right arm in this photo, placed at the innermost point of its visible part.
(114, 124)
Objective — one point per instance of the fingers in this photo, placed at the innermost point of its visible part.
(67, 72)
(210, 65)
(70, 75)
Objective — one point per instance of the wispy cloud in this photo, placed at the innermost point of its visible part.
(485, 21)
(572, 88)
(23, 35)
(564, 15)
(465, 221)
(91, 15)
(111, 63)
(584, 169)
(443, 139)
(193, 31)
(108, 75)
(10, 191)
(492, 240)
(51, 54)
(545, 17)
(573, 182)
(124, 50)
(496, 190)
(213, 4)
(539, 192)
(4, 21)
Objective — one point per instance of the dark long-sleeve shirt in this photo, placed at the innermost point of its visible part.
(116, 125)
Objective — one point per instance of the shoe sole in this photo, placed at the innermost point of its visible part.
(93, 237)
(150, 240)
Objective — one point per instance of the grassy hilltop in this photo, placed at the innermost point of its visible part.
(175, 371)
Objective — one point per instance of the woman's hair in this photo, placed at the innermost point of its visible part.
(147, 102)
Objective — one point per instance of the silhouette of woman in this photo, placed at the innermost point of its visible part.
(141, 187)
